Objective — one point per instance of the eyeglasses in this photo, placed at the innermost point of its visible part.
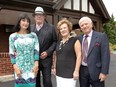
(39, 14)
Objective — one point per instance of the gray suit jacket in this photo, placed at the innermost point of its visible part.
(47, 40)
(98, 58)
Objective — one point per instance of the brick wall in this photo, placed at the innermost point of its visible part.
(5, 64)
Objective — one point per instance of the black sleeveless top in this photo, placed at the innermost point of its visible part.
(66, 58)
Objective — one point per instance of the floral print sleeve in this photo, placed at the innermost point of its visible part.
(12, 49)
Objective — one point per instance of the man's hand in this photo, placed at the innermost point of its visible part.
(102, 77)
(43, 55)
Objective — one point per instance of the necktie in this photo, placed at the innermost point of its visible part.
(85, 49)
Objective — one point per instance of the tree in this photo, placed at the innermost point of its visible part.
(110, 29)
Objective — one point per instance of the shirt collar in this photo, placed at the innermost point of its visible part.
(89, 35)
(39, 26)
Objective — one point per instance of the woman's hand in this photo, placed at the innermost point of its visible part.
(75, 75)
(54, 71)
(35, 68)
(17, 71)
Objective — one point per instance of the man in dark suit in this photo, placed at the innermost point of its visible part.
(95, 55)
(47, 40)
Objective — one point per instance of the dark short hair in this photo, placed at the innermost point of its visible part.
(16, 27)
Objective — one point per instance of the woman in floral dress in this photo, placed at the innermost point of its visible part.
(24, 53)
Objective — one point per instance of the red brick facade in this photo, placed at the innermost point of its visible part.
(5, 64)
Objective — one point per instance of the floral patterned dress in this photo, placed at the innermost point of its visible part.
(27, 48)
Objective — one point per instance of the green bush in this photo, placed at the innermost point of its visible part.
(110, 29)
(112, 46)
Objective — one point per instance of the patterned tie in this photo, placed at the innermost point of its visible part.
(85, 49)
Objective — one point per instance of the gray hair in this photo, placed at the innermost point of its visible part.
(85, 18)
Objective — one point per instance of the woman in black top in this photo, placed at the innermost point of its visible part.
(68, 56)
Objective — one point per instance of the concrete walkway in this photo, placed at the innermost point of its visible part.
(6, 78)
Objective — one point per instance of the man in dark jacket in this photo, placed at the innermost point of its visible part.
(95, 55)
(47, 40)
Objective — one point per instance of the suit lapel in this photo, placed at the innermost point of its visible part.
(43, 34)
(93, 40)
(44, 31)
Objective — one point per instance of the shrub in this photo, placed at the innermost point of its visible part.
(110, 29)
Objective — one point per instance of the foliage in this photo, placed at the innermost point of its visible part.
(110, 29)
(112, 47)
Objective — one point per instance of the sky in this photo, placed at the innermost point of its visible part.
(111, 7)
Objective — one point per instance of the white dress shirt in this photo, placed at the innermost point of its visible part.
(89, 40)
(38, 27)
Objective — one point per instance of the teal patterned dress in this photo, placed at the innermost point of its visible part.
(27, 48)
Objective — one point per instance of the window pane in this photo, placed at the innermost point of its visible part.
(84, 5)
(76, 5)
(91, 10)
(68, 4)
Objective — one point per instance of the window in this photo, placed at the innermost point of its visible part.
(84, 5)
(68, 4)
(76, 4)
(91, 10)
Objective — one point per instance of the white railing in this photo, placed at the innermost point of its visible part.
(4, 54)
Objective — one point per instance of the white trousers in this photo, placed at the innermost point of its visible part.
(65, 82)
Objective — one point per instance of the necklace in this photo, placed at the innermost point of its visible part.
(63, 43)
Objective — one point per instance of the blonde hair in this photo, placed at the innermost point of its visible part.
(64, 21)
